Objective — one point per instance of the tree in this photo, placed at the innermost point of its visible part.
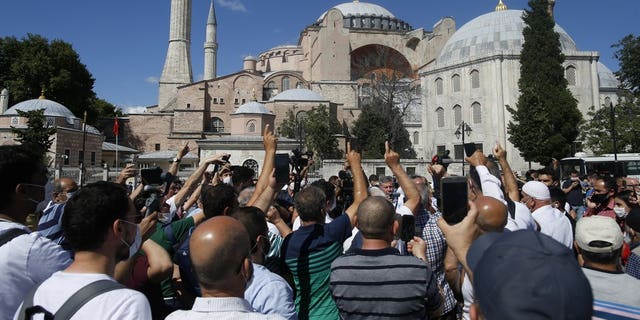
(37, 134)
(381, 121)
(628, 54)
(597, 134)
(33, 63)
(317, 127)
(546, 118)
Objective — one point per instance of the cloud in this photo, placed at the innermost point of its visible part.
(234, 5)
(152, 79)
(132, 109)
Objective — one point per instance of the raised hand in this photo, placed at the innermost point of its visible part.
(499, 152)
(391, 158)
(183, 152)
(269, 140)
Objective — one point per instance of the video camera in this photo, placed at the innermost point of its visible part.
(300, 159)
(156, 187)
(346, 192)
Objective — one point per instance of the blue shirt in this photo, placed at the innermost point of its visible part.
(268, 293)
(50, 224)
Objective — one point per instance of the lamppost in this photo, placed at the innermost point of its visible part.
(300, 117)
(614, 138)
(460, 131)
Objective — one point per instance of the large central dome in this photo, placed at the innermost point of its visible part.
(362, 9)
(490, 34)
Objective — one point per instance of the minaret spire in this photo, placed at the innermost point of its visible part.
(501, 6)
(177, 65)
(211, 45)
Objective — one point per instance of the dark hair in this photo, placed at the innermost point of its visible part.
(17, 165)
(626, 196)
(558, 195)
(602, 258)
(328, 188)
(215, 198)
(310, 203)
(548, 172)
(633, 219)
(373, 177)
(90, 213)
(574, 171)
(254, 221)
(609, 183)
(242, 174)
(386, 179)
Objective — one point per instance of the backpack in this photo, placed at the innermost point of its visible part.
(72, 305)
(181, 258)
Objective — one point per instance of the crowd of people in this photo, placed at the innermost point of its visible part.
(225, 245)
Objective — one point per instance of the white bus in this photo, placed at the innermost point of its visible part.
(628, 165)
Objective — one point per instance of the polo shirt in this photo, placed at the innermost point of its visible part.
(308, 253)
(230, 308)
(613, 287)
(383, 284)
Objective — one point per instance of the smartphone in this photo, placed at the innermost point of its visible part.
(407, 227)
(469, 149)
(152, 176)
(282, 168)
(453, 191)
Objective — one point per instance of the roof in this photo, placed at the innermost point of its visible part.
(298, 95)
(490, 34)
(360, 8)
(51, 108)
(108, 146)
(253, 107)
(165, 155)
(606, 78)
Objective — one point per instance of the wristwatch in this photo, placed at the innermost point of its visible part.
(177, 160)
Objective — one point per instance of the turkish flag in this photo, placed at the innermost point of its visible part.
(116, 127)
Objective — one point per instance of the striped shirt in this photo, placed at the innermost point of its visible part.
(382, 284)
(308, 254)
(50, 224)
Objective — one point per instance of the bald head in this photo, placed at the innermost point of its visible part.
(375, 217)
(218, 250)
(492, 214)
(61, 189)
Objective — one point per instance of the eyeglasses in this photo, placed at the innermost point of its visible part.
(137, 218)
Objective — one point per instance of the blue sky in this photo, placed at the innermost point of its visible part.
(123, 43)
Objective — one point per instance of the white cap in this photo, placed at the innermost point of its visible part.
(536, 190)
(598, 228)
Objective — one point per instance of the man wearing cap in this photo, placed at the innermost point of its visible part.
(599, 241)
(552, 222)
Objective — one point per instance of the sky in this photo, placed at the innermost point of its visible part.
(123, 43)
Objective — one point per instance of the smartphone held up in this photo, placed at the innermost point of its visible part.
(454, 198)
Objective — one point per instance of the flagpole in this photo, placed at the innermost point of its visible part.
(84, 143)
(117, 146)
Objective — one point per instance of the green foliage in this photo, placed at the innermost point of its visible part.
(37, 134)
(596, 134)
(546, 119)
(628, 54)
(380, 122)
(317, 128)
(33, 63)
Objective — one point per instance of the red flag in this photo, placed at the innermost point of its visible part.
(116, 128)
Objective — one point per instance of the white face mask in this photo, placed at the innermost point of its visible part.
(135, 246)
(227, 180)
(620, 212)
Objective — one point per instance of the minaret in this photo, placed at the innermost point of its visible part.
(177, 65)
(211, 46)
(552, 3)
(4, 100)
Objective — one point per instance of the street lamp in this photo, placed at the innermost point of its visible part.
(460, 131)
(300, 117)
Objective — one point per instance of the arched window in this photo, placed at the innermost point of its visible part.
(476, 109)
(607, 102)
(457, 115)
(285, 83)
(217, 125)
(570, 74)
(271, 85)
(299, 85)
(440, 117)
(416, 137)
(439, 88)
(251, 126)
(455, 82)
(253, 165)
(475, 79)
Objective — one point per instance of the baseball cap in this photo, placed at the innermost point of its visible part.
(598, 228)
(528, 275)
(536, 190)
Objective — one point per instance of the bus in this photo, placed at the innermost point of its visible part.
(628, 165)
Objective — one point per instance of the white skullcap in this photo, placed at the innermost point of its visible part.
(536, 190)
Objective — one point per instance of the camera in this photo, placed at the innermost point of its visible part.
(346, 192)
(156, 187)
(301, 159)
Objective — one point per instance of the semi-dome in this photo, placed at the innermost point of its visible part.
(360, 8)
(51, 108)
(253, 107)
(606, 78)
(298, 95)
(490, 34)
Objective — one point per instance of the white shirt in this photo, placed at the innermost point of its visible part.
(24, 262)
(523, 220)
(467, 296)
(116, 304)
(554, 224)
(268, 293)
(297, 223)
(220, 309)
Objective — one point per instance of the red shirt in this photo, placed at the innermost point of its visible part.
(601, 210)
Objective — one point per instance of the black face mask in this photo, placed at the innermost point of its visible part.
(599, 198)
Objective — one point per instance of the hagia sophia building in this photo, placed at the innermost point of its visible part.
(468, 74)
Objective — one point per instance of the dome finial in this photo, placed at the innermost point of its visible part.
(356, 1)
(41, 97)
(501, 6)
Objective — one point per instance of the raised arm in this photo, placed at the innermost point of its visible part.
(175, 165)
(195, 177)
(127, 172)
(270, 143)
(392, 159)
(359, 186)
(510, 182)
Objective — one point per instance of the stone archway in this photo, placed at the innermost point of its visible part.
(379, 61)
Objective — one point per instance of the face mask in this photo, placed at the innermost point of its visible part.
(227, 180)
(70, 194)
(599, 198)
(620, 212)
(135, 246)
(575, 178)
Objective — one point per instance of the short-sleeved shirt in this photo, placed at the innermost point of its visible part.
(308, 254)
(574, 197)
(179, 229)
(269, 293)
(633, 263)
